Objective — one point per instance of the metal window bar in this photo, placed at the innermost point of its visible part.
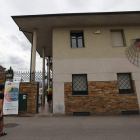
(125, 83)
(79, 84)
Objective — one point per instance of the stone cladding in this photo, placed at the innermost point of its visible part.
(103, 99)
(32, 92)
(2, 78)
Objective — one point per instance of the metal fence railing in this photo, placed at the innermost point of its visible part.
(26, 75)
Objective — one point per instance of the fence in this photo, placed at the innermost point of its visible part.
(25, 76)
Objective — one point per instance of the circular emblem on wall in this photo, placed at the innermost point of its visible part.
(133, 52)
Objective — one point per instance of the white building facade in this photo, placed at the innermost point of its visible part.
(91, 73)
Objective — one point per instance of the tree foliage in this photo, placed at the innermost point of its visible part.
(10, 71)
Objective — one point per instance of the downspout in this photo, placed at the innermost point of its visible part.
(31, 49)
(48, 71)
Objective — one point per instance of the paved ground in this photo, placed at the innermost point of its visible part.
(74, 128)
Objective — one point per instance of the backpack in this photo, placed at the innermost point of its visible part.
(49, 93)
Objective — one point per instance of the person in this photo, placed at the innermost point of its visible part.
(49, 96)
(1, 110)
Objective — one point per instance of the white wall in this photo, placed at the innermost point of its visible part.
(99, 60)
(96, 45)
(97, 69)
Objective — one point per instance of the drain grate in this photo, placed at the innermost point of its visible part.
(10, 125)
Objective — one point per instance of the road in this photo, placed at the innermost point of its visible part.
(73, 128)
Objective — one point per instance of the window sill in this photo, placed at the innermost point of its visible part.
(78, 48)
(80, 95)
(126, 93)
(77, 93)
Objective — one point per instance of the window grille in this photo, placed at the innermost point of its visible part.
(79, 84)
(77, 40)
(125, 83)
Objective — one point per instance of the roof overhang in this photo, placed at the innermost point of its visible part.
(45, 23)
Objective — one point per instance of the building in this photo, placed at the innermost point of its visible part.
(2, 69)
(91, 73)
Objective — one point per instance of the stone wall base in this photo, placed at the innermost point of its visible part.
(2, 78)
(103, 99)
(32, 97)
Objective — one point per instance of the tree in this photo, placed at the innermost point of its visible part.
(10, 71)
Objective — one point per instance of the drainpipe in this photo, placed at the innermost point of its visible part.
(31, 49)
(48, 71)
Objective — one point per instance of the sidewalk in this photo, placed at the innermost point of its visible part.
(73, 128)
(44, 110)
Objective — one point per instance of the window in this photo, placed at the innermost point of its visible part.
(77, 40)
(125, 83)
(79, 84)
(117, 37)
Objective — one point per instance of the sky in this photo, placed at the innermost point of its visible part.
(15, 49)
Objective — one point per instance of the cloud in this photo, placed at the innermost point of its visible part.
(16, 60)
(3, 42)
(15, 49)
(22, 42)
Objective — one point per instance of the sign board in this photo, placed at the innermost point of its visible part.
(97, 31)
(9, 75)
(11, 96)
(24, 96)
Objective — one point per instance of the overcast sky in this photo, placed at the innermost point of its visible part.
(15, 48)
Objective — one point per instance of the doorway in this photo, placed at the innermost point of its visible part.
(45, 109)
